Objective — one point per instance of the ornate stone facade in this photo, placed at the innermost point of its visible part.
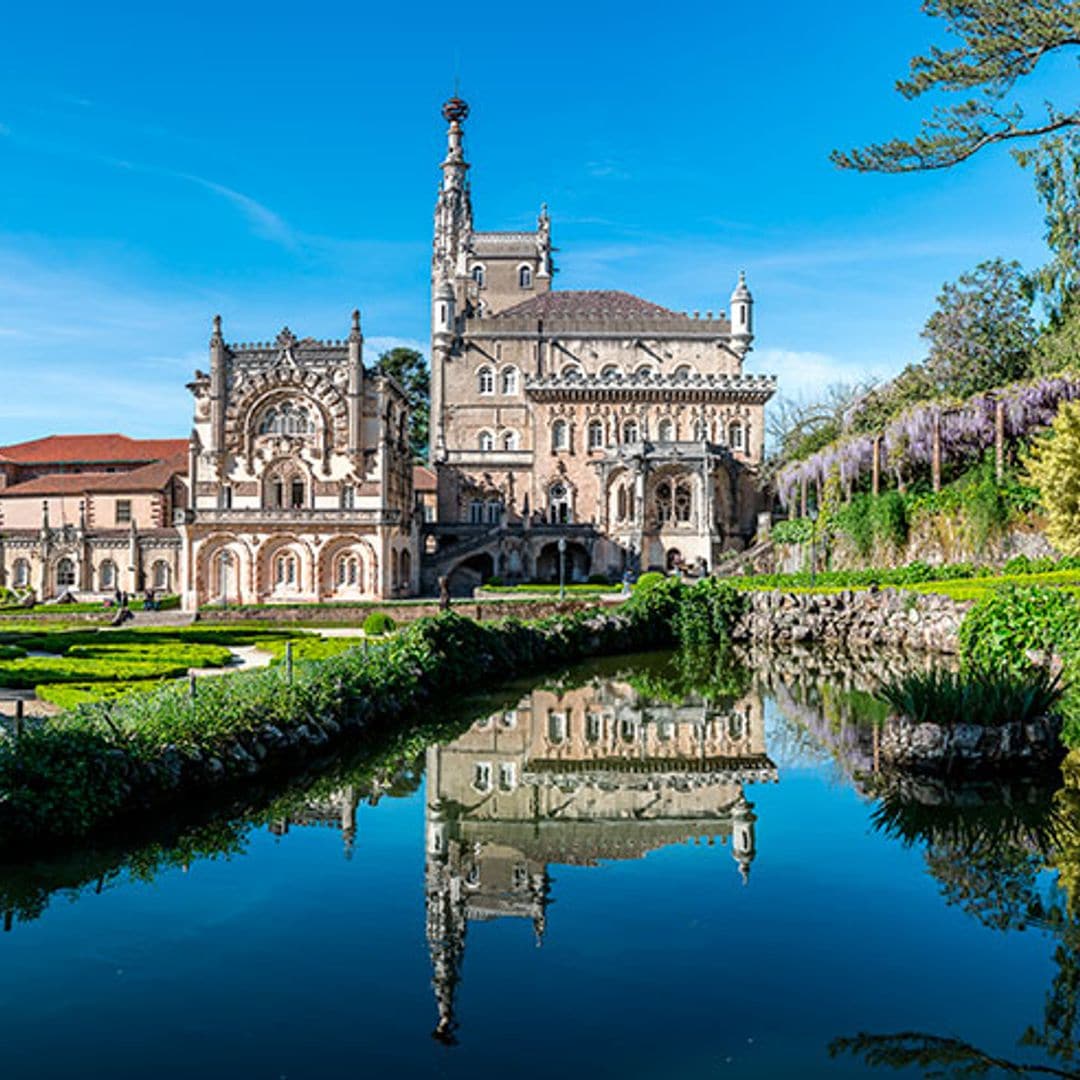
(630, 430)
(300, 476)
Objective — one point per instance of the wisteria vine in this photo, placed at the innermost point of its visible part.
(967, 432)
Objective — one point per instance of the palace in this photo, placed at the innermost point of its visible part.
(629, 430)
(585, 432)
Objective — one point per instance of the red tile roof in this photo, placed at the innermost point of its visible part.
(423, 478)
(151, 477)
(88, 449)
(568, 303)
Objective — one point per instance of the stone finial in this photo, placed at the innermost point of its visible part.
(216, 335)
(354, 333)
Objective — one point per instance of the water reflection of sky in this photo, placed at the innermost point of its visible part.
(297, 959)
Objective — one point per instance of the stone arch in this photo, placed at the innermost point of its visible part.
(269, 581)
(278, 384)
(578, 561)
(215, 583)
(279, 484)
(471, 572)
(332, 562)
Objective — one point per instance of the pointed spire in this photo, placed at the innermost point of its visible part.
(216, 335)
(354, 333)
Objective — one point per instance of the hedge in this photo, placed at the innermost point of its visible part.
(77, 771)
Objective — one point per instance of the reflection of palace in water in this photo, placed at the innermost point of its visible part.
(592, 773)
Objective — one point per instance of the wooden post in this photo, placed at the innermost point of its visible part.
(802, 507)
(935, 453)
(191, 686)
(999, 440)
(875, 467)
(288, 661)
(19, 719)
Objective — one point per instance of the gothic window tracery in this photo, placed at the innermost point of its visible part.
(510, 440)
(509, 380)
(673, 501)
(287, 418)
(20, 573)
(630, 432)
(666, 430)
(107, 575)
(485, 380)
(65, 574)
(285, 489)
(486, 441)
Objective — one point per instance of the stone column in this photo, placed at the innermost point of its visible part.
(875, 466)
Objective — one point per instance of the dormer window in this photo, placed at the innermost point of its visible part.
(525, 277)
(478, 276)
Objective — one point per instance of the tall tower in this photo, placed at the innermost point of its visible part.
(453, 226)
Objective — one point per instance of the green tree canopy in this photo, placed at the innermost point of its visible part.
(982, 332)
(409, 368)
(998, 43)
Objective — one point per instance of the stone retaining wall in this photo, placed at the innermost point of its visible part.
(864, 618)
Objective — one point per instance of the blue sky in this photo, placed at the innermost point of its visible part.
(277, 163)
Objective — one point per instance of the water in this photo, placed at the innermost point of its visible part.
(640, 869)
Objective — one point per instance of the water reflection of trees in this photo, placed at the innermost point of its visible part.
(993, 849)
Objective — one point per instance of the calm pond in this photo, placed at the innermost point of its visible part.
(644, 867)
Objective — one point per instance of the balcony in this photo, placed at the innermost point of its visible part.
(247, 517)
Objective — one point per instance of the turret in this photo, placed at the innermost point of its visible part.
(217, 388)
(355, 390)
(742, 316)
(743, 845)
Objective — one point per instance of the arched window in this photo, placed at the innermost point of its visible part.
(630, 432)
(666, 431)
(558, 727)
(509, 380)
(663, 499)
(287, 418)
(735, 435)
(684, 501)
(394, 570)
(107, 576)
(609, 371)
(406, 570)
(224, 575)
(160, 575)
(596, 434)
(478, 275)
(20, 574)
(485, 380)
(486, 440)
(683, 372)
(65, 574)
(621, 503)
(348, 571)
(285, 489)
(560, 435)
(559, 510)
(525, 277)
(509, 440)
(286, 570)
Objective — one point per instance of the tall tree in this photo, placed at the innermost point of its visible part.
(410, 370)
(982, 332)
(999, 43)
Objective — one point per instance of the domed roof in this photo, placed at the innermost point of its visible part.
(455, 110)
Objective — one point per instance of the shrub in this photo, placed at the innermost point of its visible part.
(856, 521)
(796, 531)
(986, 698)
(705, 612)
(649, 581)
(71, 695)
(890, 519)
(377, 624)
(999, 632)
(1054, 468)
